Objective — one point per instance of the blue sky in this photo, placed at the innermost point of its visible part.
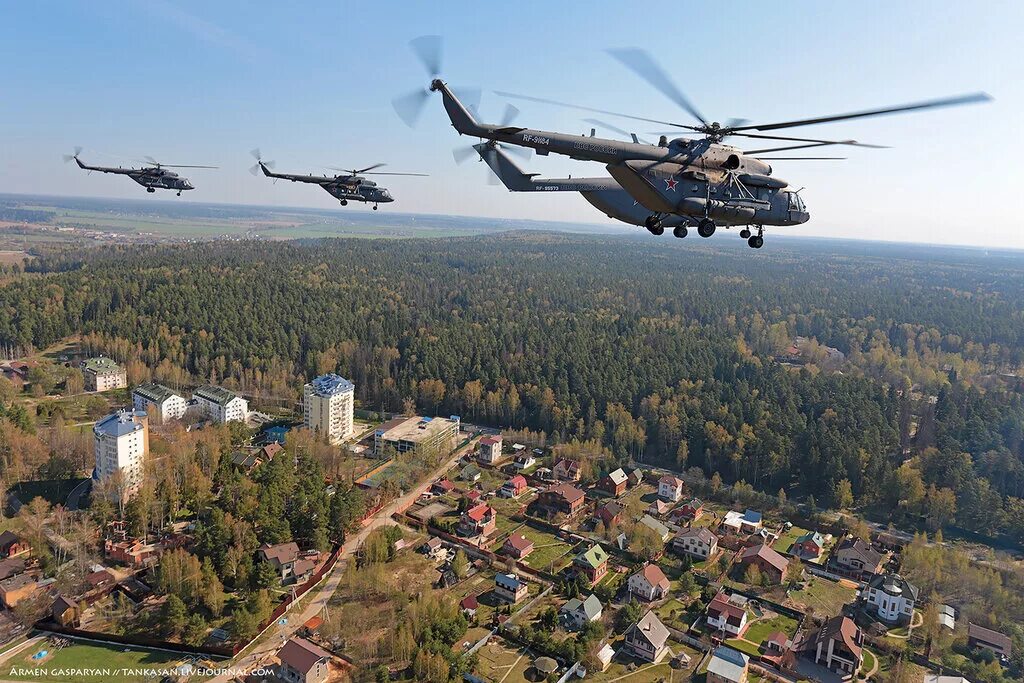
(311, 84)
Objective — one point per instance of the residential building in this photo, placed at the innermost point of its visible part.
(102, 373)
(442, 487)
(646, 639)
(327, 405)
(404, 434)
(691, 510)
(577, 613)
(566, 470)
(65, 611)
(979, 636)
(747, 522)
(120, 446)
(131, 552)
(513, 488)
(777, 643)
(165, 404)
(489, 450)
(634, 477)
(220, 405)
(609, 514)
(291, 565)
(856, 558)
(469, 605)
(613, 483)
(433, 548)
(663, 532)
(605, 655)
(808, 546)
(670, 488)
(517, 546)
(727, 666)
(659, 507)
(13, 545)
(510, 587)
(839, 646)
(891, 597)
(303, 662)
(479, 520)
(727, 613)
(470, 473)
(592, 563)
(767, 560)
(523, 460)
(564, 499)
(699, 543)
(12, 566)
(650, 583)
(17, 588)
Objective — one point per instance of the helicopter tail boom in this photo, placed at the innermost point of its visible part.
(462, 119)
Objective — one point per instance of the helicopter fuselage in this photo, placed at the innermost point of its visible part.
(152, 178)
(690, 178)
(344, 188)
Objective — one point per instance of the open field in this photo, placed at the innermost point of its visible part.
(823, 596)
(549, 552)
(89, 656)
(786, 540)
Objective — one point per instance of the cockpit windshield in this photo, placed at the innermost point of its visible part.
(795, 202)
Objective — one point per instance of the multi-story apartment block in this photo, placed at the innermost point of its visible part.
(327, 404)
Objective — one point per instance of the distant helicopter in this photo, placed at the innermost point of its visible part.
(153, 178)
(702, 181)
(344, 188)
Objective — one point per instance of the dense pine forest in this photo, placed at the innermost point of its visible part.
(640, 349)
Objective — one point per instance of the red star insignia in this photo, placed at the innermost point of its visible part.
(670, 184)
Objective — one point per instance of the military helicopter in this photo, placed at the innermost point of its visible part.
(703, 181)
(345, 188)
(154, 177)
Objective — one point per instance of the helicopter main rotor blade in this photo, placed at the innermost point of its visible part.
(185, 166)
(783, 149)
(851, 143)
(369, 168)
(640, 63)
(614, 129)
(913, 106)
(422, 175)
(801, 158)
(556, 103)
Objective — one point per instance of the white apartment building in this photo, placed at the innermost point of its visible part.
(167, 404)
(121, 443)
(327, 404)
(101, 374)
(221, 405)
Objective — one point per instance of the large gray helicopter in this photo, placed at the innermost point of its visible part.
(154, 177)
(345, 188)
(702, 181)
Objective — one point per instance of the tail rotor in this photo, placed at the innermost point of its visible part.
(255, 168)
(70, 157)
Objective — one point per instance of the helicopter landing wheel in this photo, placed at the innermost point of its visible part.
(150, 189)
(374, 207)
(706, 228)
(755, 242)
(179, 193)
(344, 202)
(679, 231)
(653, 224)
(745, 233)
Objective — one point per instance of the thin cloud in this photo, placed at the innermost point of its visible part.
(206, 31)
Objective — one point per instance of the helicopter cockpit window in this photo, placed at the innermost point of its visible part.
(795, 203)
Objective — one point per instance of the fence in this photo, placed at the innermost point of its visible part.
(140, 641)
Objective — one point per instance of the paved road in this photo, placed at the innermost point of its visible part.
(270, 645)
(75, 497)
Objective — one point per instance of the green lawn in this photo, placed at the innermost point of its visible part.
(744, 646)
(824, 596)
(786, 540)
(759, 630)
(83, 655)
(547, 548)
(869, 662)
